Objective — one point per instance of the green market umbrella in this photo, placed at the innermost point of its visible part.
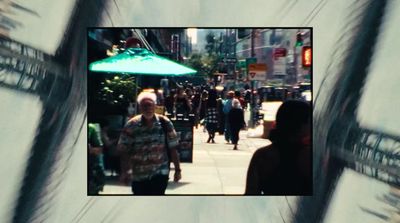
(140, 61)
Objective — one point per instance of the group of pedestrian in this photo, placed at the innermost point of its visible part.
(228, 114)
(210, 108)
(148, 143)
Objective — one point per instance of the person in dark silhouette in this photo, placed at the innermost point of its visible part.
(284, 167)
(236, 118)
(221, 118)
(196, 98)
(169, 103)
(211, 118)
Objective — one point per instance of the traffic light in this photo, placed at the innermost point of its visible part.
(299, 39)
(306, 56)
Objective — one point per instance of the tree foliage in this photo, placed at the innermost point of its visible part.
(195, 61)
(118, 91)
(205, 64)
(212, 44)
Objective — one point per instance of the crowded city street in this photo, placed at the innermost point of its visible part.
(265, 111)
(216, 168)
(197, 111)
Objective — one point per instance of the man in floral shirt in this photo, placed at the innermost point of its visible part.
(144, 140)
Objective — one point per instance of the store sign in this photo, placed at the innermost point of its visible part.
(251, 60)
(257, 72)
(229, 60)
(279, 52)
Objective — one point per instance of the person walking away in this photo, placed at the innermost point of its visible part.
(284, 167)
(221, 118)
(236, 120)
(226, 109)
(196, 107)
(202, 106)
(211, 119)
(247, 97)
(147, 139)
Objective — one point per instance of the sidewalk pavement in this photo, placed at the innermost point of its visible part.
(217, 169)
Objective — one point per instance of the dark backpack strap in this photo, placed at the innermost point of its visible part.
(163, 125)
(165, 130)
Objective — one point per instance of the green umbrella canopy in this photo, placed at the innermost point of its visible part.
(140, 61)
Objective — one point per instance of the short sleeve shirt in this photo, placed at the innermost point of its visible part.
(147, 146)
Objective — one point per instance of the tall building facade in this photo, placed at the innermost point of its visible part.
(278, 49)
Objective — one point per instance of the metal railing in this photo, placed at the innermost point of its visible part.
(373, 153)
(26, 69)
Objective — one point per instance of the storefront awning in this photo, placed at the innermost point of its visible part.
(142, 62)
